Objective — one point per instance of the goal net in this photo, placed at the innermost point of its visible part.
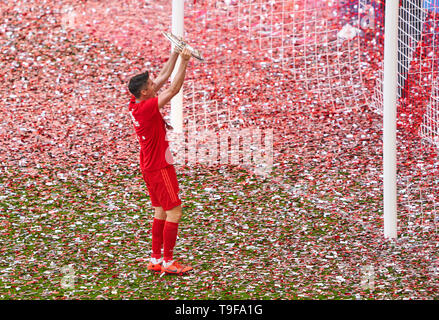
(327, 56)
(274, 61)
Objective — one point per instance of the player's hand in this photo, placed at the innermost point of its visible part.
(177, 50)
(185, 54)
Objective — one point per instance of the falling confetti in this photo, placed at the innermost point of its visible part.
(71, 193)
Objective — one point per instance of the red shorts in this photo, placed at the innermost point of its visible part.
(163, 187)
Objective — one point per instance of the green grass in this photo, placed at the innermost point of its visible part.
(244, 240)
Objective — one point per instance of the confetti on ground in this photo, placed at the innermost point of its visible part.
(75, 216)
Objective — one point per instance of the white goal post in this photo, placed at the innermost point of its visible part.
(390, 92)
(177, 101)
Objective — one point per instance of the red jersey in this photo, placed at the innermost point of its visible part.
(151, 132)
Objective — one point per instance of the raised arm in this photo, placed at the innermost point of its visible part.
(176, 84)
(166, 72)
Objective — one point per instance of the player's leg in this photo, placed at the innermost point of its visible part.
(171, 203)
(159, 213)
(174, 215)
(157, 239)
(158, 223)
(170, 231)
(157, 232)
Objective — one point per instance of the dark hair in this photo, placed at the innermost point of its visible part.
(137, 83)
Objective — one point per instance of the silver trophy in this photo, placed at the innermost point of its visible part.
(180, 43)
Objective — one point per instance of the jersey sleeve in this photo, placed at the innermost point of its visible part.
(148, 109)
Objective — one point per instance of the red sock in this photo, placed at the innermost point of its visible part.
(157, 238)
(169, 238)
